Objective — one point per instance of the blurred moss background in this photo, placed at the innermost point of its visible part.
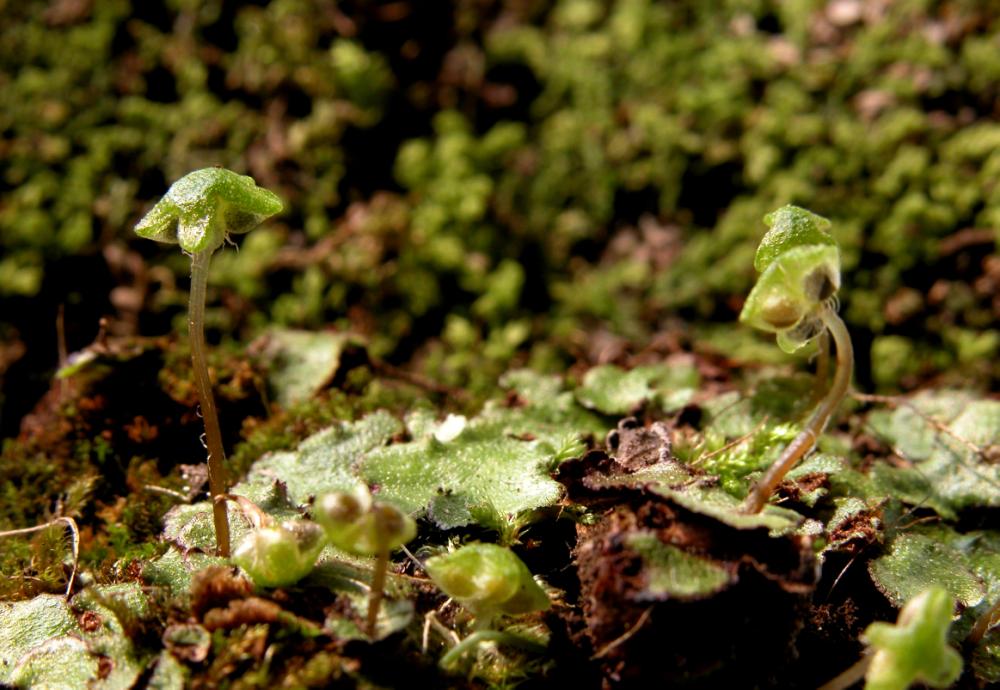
(486, 182)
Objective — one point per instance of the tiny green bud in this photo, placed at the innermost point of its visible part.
(204, 207)
(488, 580)
(800, 269)
(358, 524)
(343, 508)
(780, 312)
(915, 649)
(791, 288)
(280, 555)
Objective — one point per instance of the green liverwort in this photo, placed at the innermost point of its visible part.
(489, 581)
(795, 298)
(199, 212)
(282, 554)
(358, 524)
(915, 649)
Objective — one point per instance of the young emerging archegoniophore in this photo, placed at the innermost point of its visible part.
(795, 298)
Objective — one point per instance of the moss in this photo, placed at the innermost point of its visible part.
(470, 196)
(471, 187)
(893, 359)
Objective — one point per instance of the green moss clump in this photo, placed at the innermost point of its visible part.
(596, 163)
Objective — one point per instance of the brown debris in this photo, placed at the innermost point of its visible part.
(239, 612)
(858, 531)
(67, 12)
(90, 621)
(140, 430)
(187, 642)
(216, 586)
(635, 446)
(573, 472)
(640, 639)
(641, 642)
(105, 665)
(796, 489)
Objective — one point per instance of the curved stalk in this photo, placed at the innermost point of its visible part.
(213, 433)
(853, 675)
(983, 624)
(804, 442)
(477, 638)
(822, 366)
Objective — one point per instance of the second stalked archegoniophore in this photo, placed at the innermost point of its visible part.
(199, 212)
(357, 523)
(795, 298)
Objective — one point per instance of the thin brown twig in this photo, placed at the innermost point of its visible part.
(984, 623)
(732, 444)
(430, 621)
(251, 511)
(624, 637)
(61, 347)
(417, 380)
(937, 425)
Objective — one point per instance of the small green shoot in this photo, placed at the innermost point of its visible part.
(489, 581)
(280, 555)
(199, 212)
(795, 299)
(69, 522)
(276, 555)
(358, 524)
(914, 650)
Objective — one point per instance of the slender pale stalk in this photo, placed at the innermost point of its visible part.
(378, 585)
(804, 442)
(851, 676)
(213, 434)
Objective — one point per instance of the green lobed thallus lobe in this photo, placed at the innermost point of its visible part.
(204, 207)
